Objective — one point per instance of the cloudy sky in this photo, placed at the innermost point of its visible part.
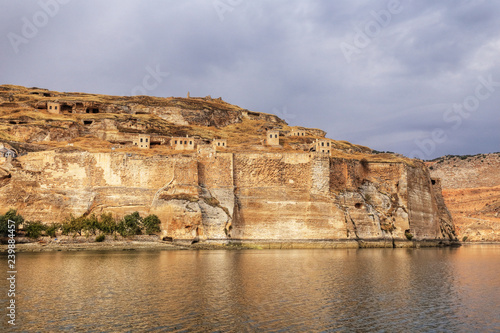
(420, 78)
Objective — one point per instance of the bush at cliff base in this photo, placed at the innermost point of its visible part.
(130, 225)
(4, 221)
(34, 229)
(151, 224)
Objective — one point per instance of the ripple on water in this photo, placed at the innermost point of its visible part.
(376, 290)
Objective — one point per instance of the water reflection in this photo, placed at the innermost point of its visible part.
(250, 291)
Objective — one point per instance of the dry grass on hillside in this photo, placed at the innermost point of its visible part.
(245, 136)
(34, 115)
(33, 95)
(3, 134)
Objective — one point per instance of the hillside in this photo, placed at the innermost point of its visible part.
(210, 171)
(100, 123)
(471, 189)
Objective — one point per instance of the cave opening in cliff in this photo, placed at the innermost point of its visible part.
(66, 108)
(433, 181)
(92, 110)
(359, 205)
(88, 122)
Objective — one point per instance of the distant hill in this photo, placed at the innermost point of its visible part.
(471, 188)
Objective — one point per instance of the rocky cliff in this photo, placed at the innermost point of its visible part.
(82, 160)
(471, 189)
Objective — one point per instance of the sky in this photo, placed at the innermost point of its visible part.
(419, 78)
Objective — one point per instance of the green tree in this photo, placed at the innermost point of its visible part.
(73, 225)
(34, 229)
(4, 220)
(51, 230)
(152, 224)
(66, 226)
(130, 225)
(107, 224)
(90, 224)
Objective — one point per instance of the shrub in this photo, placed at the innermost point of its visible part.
(90, 224)
(408, 235)
(51, 231)
(65, 228)
(100, 238)
(34, 229)
(107, 223)
(464, 238)
(77, 225)
(151, 224)
(130, 225)
(4, 221)
(73, 225)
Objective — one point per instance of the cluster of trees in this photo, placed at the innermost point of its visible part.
(32, 229)
(10, 215)
(129, 225)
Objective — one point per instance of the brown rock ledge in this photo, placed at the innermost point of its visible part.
(152, 245)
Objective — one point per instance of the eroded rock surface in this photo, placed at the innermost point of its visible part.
(81, 158)
(242, 196)
(471, 190)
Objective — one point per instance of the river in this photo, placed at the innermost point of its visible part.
(362, 290)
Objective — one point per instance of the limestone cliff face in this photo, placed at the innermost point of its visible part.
(471, 190)
(235, 196)
(78, 154)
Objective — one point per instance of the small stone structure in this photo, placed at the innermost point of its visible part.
(54, 107)
(273, 138)
(180, 143)
(67, 106)
(142, 141)
(297, 132)
(323, 146)
(219, 143)
(5, 152)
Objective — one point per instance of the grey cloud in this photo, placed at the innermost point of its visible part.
(279, 55)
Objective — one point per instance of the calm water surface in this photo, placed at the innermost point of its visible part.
(365, 290)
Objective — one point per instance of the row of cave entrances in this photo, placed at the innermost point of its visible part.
(70, 109)
(78, 106)
(92, 110)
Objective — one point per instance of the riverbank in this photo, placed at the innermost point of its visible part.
(153, 242)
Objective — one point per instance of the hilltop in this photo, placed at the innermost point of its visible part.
(100, 123)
